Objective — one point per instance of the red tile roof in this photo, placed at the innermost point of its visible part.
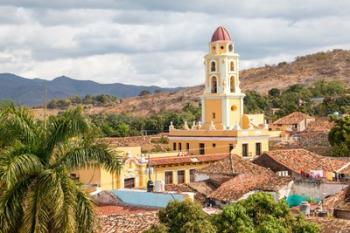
(120, 210)
(293, 118)
(127, 223)
(234, 177)
(174, 160)
(320, 125)
(236, 187)
(299, 160)
(233, 165)
(331, 225)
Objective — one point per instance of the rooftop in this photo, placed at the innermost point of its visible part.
(120, 209)
(233, 165)
(127, 223)
(185, 159)
(234, 177)
(293, 118)
(301, 160)
(236, 187)
(331, 225)
(320, 125)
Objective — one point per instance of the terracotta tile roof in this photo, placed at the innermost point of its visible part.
(200, 186)
(232, 165)
(234, 177)
(293, 118)
(201, 189)
(159, 161)
(236, 187)
(333, 201)
(320, 125)
(299, 160)
(120, 210)
(127, 223)
(331, 225)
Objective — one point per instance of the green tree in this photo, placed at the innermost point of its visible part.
(339, 136)
(274, 92)
(160, 228)
(36, 192)
(185, 217)
(324, 88)
(259, 213)
(233, 218)
(262, 214)
(254, 102)
(122, 130)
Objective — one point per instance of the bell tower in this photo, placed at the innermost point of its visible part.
(222, 100)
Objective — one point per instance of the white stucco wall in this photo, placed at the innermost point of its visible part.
(315, 190)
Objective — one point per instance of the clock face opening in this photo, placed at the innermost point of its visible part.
(233, 108)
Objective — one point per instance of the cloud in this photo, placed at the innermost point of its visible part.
(159, 42)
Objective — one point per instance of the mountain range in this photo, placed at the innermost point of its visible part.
(305, 70)
(33, 92)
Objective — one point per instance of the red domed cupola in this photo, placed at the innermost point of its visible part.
(220, 34)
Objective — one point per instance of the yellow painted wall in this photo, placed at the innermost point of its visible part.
(159, 172)
(89, 176)
(222, 147)
(213, 106)
(133, 150)
(257, 119)
(107, 182)
(235, 109)
(251, 146)
(275, 133)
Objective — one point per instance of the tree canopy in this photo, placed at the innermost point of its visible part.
(36, 157)
(259, 213)
(339, 136)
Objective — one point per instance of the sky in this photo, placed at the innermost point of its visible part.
(160, 42)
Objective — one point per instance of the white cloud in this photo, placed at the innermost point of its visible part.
(158, 42)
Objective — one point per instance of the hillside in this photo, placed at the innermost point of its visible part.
(334, 65)
(32, 91)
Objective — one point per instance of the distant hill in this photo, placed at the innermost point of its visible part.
(32, 91)
(332, 65)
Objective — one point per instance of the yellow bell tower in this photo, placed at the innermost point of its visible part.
(222, 100)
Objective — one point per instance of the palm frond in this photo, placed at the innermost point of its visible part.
(42, 204)
(10, 206)
(85, 213)
(16, 123)
(14, 168)
(70, 124)
(97, 155)
(67, 220)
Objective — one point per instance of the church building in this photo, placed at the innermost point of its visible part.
(224, 127)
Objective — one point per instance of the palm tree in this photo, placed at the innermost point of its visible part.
(36, 193)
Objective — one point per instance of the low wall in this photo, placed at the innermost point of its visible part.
(316, 189)
(344, 214)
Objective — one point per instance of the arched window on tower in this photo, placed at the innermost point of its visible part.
(212, 66)
(232, 66)
(232, 84)
(214, 85)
